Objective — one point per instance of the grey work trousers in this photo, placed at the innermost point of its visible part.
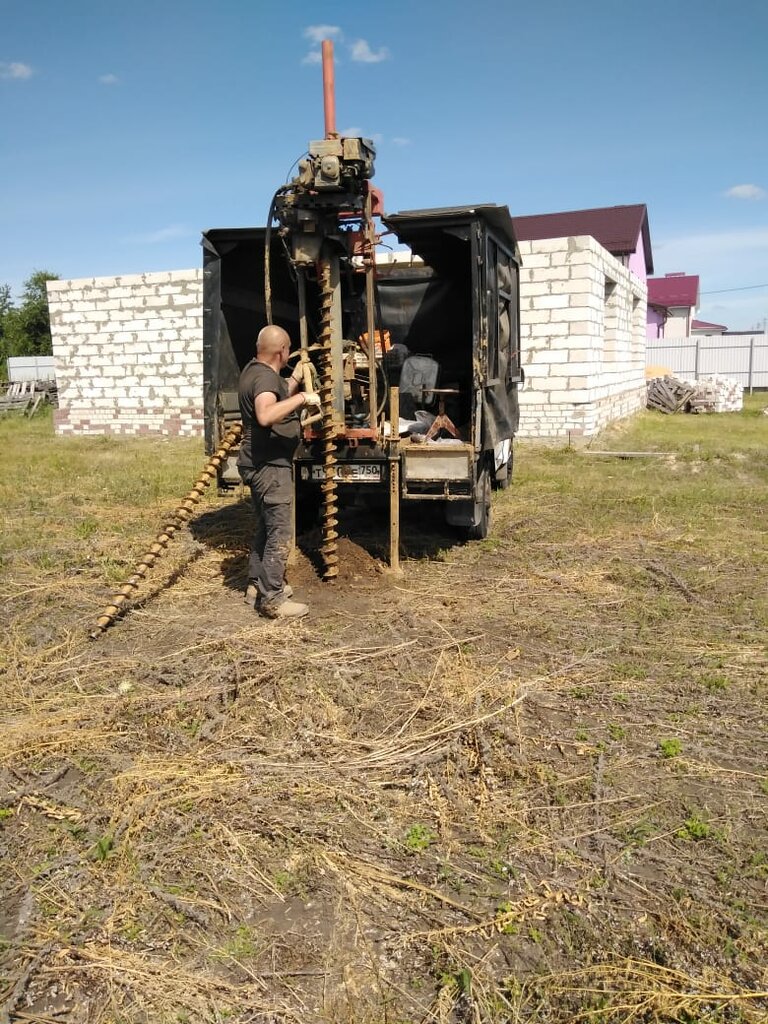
(272, 497)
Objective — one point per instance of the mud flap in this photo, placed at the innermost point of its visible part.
(473, 516)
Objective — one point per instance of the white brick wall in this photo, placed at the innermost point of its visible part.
(128, 349)
(129, 353)
(583, 350)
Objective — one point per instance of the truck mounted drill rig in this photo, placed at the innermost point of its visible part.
(416, 360)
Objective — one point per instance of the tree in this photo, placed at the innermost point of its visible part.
(6, 306)
(25, 330)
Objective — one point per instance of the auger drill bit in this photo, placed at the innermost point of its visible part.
(180, 517)
(330, 508)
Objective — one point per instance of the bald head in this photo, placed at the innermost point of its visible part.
(271, 341)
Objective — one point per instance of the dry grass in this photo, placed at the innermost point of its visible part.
(525, 783)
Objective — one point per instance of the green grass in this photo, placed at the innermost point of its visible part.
(705, 437)
(419, 838)
(670, 748)
(77, 492)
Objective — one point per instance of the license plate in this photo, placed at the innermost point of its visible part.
(346, 472)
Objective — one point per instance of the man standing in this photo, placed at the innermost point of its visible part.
(269, 406)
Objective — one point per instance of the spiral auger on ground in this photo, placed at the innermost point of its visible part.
(330, 508)
(180, 517)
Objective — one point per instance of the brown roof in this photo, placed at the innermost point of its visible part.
(616, 228)
(705, 325)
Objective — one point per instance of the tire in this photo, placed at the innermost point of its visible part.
(481, 523)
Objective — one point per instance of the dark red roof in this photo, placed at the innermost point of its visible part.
(705, 325)
(673, 290)
(616, 228)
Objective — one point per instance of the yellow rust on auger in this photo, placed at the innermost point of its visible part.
(179, 518)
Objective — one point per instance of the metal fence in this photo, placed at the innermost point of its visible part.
(30, 368)
(742, 357)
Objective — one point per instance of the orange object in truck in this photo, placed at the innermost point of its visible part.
(378, 337)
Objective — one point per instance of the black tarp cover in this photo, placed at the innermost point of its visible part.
(441, 238)
(462, 308)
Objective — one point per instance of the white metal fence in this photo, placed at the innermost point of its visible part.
(743, 357)
(30, 368)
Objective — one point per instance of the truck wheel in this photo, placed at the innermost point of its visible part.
(481, 521)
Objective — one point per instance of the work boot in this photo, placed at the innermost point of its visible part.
(253, 598)
(284, 610)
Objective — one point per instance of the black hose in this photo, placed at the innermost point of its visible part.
(267, 252)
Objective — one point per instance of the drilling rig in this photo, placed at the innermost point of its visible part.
(447, 309)
(325, 215)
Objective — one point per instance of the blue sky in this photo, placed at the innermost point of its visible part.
(131, 127)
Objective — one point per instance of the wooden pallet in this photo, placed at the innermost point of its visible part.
(23, 397)
(668, 394)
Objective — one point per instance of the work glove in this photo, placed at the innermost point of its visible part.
(298, 375)
(311, 398)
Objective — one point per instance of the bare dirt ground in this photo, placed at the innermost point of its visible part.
(525, 781)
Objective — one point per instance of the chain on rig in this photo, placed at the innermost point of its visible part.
(325, 217)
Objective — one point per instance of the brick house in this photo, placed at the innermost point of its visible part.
(129, 353)
(622, 230)
(583, 312)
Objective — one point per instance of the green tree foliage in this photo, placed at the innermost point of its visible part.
(25, 329)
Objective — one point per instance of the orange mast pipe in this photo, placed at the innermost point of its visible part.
(329, 94)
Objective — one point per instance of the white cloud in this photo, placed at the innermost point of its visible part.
(746, 192)
(167, 234)
(109, 79)
(400, 140)
(316, 34)
(361, 51)
(355, 132)
(15, 70)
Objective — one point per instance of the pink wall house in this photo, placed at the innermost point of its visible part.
(672, 303)
(655, 323)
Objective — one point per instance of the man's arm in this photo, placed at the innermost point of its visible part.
(295, 380)
(269, 411)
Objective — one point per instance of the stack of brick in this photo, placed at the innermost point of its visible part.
(717, 394)
(129, 353)
(582, 317)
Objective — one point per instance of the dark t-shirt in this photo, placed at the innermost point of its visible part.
(273, 445)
